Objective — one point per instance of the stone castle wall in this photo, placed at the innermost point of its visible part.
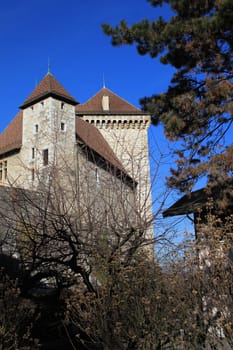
(128, 137)
(10, 170)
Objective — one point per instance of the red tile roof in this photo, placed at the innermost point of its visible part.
(117, 105)
(48, 86)
(11, 137)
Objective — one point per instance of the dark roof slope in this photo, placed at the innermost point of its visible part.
(117, 105)
(48, 86)
(187, 204)
(11, 137)
(221, 195)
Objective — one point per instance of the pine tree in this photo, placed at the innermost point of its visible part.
(197, 108)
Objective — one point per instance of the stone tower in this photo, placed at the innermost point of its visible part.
(125, 128)
(48, 137)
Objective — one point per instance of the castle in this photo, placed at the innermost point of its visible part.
(52, 127)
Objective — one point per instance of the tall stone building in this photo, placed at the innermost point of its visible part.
(52, 127)
(125, 128)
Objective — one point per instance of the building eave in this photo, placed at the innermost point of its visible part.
(104, 113)
(56, 96)
(9, 151)
(198, 200)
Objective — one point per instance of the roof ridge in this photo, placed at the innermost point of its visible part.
(117, 103)
(123, 99)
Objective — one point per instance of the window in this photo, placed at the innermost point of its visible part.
(33, 153)
(33, 174)
(62, 105)
(36, 128)
(62, 126)
(45, 157)
(5, 169)
(97, 176)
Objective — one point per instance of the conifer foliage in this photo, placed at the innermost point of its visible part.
(197, 108)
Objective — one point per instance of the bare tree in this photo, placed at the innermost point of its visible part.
(73, 227)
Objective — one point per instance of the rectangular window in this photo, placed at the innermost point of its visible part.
(36, 128)
(97, 176)
(33, 153)
(45, 157)
(62, 126)
(0, 171)
(5, 169)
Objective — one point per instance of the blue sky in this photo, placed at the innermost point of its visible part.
(69, 34)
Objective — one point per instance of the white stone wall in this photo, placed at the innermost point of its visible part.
(13, 172)
(103, 198)
(128, 137)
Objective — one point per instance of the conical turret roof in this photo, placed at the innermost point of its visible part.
(48, 86)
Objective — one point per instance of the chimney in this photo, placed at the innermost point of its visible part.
(105, 103)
